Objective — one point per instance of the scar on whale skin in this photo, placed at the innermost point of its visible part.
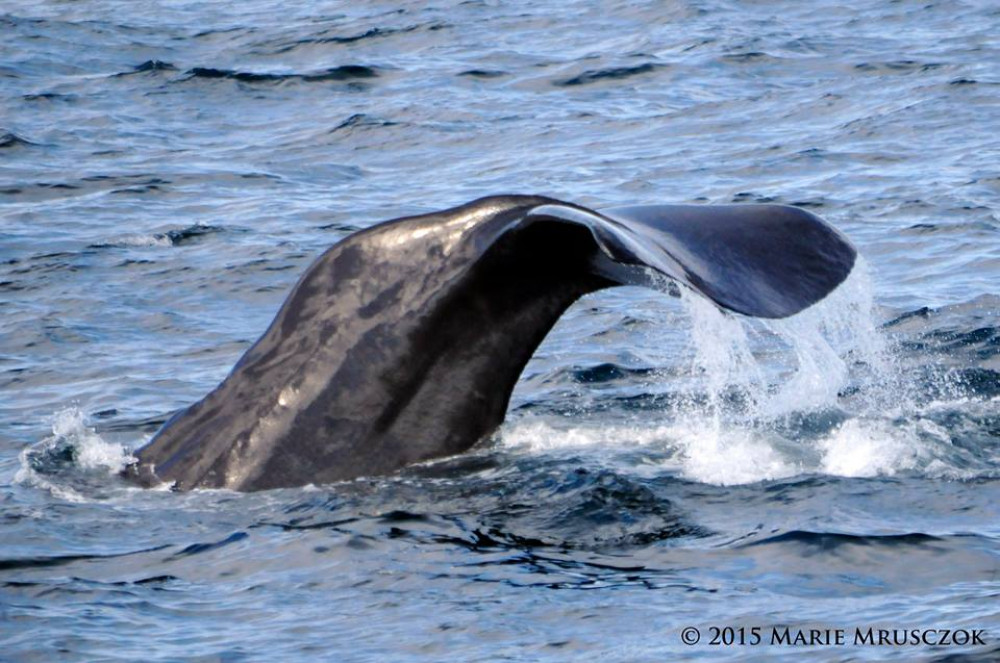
(403, 342)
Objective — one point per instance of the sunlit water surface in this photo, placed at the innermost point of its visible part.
(168, 169)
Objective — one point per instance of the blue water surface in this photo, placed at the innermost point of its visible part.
(168, 169)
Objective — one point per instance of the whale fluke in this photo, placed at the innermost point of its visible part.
(403, 342)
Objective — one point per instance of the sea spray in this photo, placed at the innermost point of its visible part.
(74, 448)
(819, 392)
(830, 359)
(838, 349)
(714, 443)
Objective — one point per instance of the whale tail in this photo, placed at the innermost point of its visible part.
(767, 261)
(404, 341)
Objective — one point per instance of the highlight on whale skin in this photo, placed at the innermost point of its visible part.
(403, 342)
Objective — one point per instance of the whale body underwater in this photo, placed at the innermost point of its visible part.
(403, 342)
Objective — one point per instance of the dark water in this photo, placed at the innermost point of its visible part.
(168, 169)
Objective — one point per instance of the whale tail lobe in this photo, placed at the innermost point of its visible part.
(768, 261)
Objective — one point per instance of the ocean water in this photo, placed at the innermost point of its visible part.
(168, 169)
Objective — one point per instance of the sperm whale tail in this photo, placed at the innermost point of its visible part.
(404, 341)
(768, 261)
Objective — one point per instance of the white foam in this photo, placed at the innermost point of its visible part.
(729, 457)
(867, 448)
(692, 450)
(535, 435)
(141, 241)
(90, 452)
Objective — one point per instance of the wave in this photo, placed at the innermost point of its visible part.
(9, 140)
(147, 67)
(175, 237)
(897, 67)
(348, 72)
(609, 74)
(62, 560)
(483, 73)
(326, 38)
(362, 120)
(830, 541)
(371, 33)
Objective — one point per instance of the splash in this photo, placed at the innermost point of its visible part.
(818, 393)
(137, 241)
(74, 448)
(867, 448)
(771, 389)
(837, 347)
